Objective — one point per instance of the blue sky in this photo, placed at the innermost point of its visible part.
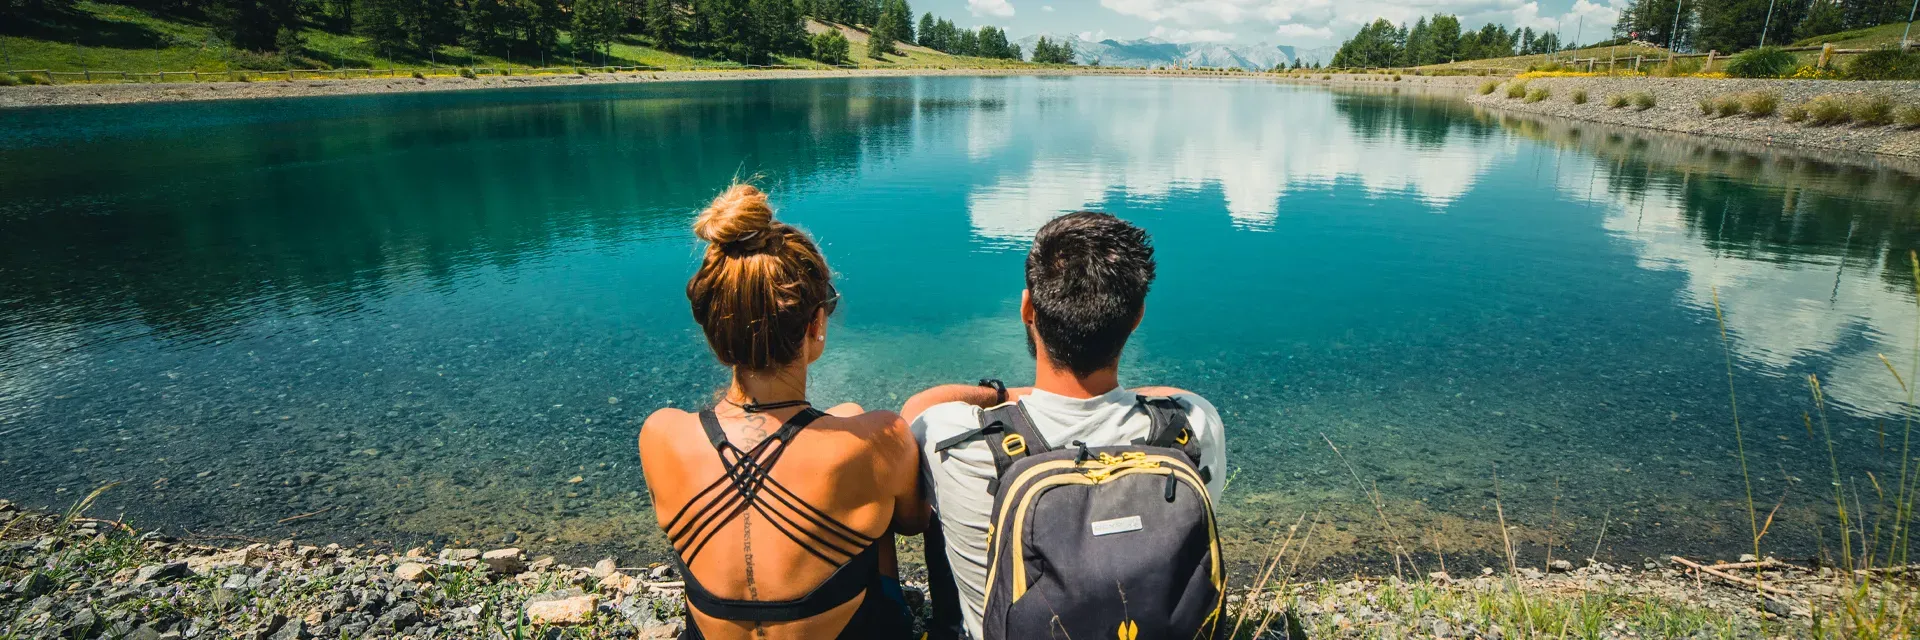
(1305, 23)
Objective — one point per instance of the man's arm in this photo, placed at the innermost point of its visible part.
(971, 394)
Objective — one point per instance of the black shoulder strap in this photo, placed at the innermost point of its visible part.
(711, 423)
(1171, 430)
(1010, 436)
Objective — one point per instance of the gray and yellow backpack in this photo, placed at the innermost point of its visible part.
(1105, 542)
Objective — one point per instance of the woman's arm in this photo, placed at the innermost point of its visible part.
(975, 395)
(899, 463)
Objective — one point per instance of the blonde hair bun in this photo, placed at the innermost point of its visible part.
(739, 220)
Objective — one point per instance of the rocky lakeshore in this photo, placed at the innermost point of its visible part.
(65, 576)
(1676, 108)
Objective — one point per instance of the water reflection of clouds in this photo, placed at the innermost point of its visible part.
(1163, 137)
(1785, 315)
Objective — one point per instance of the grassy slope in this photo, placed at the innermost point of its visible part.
(1520, 63)
(1885, 35)
(109, 37)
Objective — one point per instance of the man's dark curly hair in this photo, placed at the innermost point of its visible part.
(1087, 277)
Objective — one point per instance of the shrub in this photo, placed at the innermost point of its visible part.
(1908, 116)
(1579, 96)
(1875, 110)
(1616, 101)
(1326, 77)
(7, 80)
(1488, 86)
(1828, 110)
(1760, 104)
(830, 47)
(244, 78)
(579, 71)
(1396, 77)
(466, 72)
(1538, 94)
(417, 76)
(1727, 106)
(1516, 90)
(1796, 113)
(1673, 68)
(1643, 100)
(1883, 64)
(1706, 106)
(1764, 62)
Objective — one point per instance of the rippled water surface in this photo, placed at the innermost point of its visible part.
(421, 316)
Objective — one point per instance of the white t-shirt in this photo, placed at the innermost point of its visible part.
(957, 478)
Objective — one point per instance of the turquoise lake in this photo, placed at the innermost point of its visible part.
(423, 317)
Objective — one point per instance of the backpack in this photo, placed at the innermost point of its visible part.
(1101, 542)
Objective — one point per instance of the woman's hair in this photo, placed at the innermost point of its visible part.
(760, 283)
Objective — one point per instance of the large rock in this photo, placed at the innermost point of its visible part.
(401, 617)
(459, 555)
(232, 559)
(557, 609)
(508, 561)
(413, 572)
(161, 572)
(617, 582)
(604, 568)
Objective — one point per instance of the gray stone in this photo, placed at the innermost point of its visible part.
(295, 629)
(145, 632)
(505, 561)
(459, 555)
(400, 618)
(33, 585)
(161, 572)
(1560, 566)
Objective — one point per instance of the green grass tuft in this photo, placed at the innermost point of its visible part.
(1908, 116)
(1617, 101)
(1874, 110)
(1643, 100)
(1727, 106)
(1828, 110)
(1760, 104)
(1516, 90)
(1488, 86)
(1579, 96)
(1538, 94)
(1764, 62)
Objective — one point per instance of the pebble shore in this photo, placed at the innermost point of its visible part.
(1677, 109)
(71, 577)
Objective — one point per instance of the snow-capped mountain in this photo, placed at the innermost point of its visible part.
(1154, 52)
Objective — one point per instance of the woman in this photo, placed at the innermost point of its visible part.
(782, 515)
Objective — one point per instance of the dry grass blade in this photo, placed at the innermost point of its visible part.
(1272, 561)
(1739, 438)
(1400, 546)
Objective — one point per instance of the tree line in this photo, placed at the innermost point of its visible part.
(940, 34)
(1438, 40)
(1730, 26)
(530, 31)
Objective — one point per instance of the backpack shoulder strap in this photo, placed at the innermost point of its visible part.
(1171, 430)
(1010, 435)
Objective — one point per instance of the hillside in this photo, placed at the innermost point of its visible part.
(1886, 35)
(109, 37)
(1521, 63)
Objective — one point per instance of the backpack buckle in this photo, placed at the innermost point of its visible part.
(1014, 444)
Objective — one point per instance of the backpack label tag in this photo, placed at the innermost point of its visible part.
(1117, 525)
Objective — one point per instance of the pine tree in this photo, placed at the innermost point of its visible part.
(595, 24)
(924, 35)
(663, 24)
(880, 38)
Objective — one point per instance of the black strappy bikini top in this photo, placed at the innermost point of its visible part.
(749, 484)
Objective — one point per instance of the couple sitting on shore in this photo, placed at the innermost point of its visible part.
(1072, 508)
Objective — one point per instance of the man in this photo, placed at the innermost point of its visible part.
(1087, 280)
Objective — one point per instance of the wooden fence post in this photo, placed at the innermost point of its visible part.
(1826, 53)
(1711, 54)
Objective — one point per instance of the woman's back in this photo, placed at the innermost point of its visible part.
(781, 516)
(780, 538)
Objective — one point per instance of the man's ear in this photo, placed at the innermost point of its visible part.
(1138, 317)
(1026, 306)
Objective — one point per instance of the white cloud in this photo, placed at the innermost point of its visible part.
(1528, 15)
(1193, 35)
(990, 8)
(1047, 8)
(1303, 31)
(1247, 149)
(1093, 36)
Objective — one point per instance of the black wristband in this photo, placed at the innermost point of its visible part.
(998, 387)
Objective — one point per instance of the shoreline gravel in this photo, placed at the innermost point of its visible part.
(73, 577)
(1677, 109)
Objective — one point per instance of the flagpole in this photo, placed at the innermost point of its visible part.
(1766, 25)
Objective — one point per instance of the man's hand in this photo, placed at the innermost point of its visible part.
(971, 394)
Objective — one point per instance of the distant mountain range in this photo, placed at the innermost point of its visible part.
(1154, 52)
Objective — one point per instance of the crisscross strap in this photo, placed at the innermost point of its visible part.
(847, 581)
(748, 485)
